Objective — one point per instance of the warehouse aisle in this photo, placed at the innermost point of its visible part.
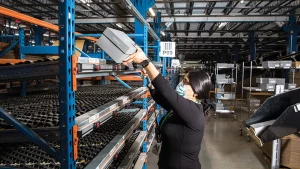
(224, 148)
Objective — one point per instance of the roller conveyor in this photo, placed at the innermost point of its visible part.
(133, 156)
(120, 156)
(40, 112)
(28, 155)
(105, 157)
(48, 69)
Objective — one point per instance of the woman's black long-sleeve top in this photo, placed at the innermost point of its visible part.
(182, 132)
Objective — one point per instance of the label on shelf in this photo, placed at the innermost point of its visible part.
(112, 107)
(94, 117)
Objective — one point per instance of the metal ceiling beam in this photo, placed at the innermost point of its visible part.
(239, 35)
(162, 1)
(223, 44)
(183, 19)
(137, 14)
(171, 8)
(29, 19)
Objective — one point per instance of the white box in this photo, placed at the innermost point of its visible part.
(116, 44)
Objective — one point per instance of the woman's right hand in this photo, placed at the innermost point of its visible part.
(138, 57)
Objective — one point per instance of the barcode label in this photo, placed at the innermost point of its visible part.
(167, 49)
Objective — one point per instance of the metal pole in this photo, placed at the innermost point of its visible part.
(66, 92)
(241, 116)
(294, 70)
(276, 150)
(250, 89)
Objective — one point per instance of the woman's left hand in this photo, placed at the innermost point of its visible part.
(137, 57)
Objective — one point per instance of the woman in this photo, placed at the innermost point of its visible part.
(183, 126)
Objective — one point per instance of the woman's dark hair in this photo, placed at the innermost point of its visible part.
(201, 83)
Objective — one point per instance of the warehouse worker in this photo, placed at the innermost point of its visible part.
(182, 127)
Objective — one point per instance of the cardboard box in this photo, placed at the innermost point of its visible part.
(290, 151)
(296, 64)
(219, 90)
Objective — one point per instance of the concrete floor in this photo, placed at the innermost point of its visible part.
(224, 148)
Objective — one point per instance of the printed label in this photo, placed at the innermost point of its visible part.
(112, 107)
(92, 118)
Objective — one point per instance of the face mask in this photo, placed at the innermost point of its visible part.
(180, 89)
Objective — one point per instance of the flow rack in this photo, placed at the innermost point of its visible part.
(255, 90)
(85, 122)
(72, 151)
(221, 92)
(49, 69)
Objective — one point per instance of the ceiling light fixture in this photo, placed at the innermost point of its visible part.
(163, 33)
(242, 1)
(222, 24)
(151, 11)
(85, 1)
(119, 25)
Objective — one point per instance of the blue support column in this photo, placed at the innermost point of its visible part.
(292, 29)
(66, 93)
(144, 147)
(103, 81)
(164, 68)
(157, 23)
(103, 55)
(21, 42)
(142, 6)
(22, 56)
(252, 46)
(38, 35)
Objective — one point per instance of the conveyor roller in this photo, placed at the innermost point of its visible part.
(31, 156)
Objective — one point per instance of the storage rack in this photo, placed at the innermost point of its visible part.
(69, 125)
(251, 89)
(233, 86)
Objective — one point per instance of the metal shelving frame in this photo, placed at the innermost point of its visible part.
(67, 67)
(256, 89)
(232, 90)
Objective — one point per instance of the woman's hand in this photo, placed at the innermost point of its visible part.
(137, 57)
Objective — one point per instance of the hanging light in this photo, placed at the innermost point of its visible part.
(151, 11)
(119, 25)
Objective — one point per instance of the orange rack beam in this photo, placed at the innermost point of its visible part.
(4, 61)
(125, 78)
(26, 18)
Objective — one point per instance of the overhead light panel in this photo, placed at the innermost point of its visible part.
(242, 1)
(84, 1)
(13, 27)
(222, 24)
(119, 25)
(151, 11)
(47, 35)
(163, 33)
